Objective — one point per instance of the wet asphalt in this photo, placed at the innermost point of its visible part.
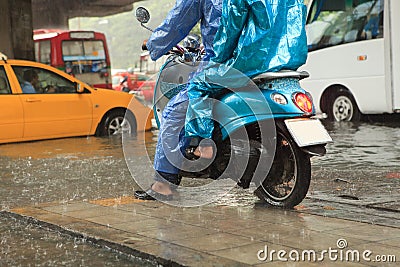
(359, 180)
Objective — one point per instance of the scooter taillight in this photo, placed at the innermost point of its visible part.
(303, 102)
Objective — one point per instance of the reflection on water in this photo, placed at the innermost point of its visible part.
(362, 163)
(74, 148)
(92, 168)
(61, 170)
(23, 244)
(66, 169)
(363, 145)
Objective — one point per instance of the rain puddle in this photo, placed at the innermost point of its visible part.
(362, 162)
(63, 170)
(23, 244)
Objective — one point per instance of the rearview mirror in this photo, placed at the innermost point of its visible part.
(142, 15)
(79, 88)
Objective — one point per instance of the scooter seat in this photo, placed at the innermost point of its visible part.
(281, 74)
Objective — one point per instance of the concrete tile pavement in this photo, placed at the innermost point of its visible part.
(216, 235)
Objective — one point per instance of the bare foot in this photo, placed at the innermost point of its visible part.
(162, 188)
(204, 152)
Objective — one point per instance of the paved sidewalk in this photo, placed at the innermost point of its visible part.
(218, 235)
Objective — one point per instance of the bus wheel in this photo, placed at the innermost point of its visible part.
(343, 107)
(116, 123)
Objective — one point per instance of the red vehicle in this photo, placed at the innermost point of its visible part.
(135, 83)
(83, 54)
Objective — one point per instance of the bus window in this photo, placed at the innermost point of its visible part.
(37, 52)
(337, 22)
(84, 56)
(94, 50)
(83, 50)
(71, 50)
(44, 52)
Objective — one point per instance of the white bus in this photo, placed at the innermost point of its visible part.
(354, 57)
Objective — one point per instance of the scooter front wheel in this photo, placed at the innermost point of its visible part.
(288, 180)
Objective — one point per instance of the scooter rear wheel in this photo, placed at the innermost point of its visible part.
(288, 180)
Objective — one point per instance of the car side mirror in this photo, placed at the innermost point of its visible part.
(79, 88)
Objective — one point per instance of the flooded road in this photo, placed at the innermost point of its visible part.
(363, 162)
(24, 244)
(65, 170)
(60, 171)
(373, 145)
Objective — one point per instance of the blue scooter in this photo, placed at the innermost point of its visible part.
(264, 132)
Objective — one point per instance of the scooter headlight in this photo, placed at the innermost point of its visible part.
(303, 102)
(279, 98)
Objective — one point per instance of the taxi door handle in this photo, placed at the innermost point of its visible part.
(33, 100)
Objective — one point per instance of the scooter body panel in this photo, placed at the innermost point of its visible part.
(235, 123)
(254, 104)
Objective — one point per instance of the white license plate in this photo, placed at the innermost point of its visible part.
(308, 132)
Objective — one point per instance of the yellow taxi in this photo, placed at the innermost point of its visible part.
(41, 102)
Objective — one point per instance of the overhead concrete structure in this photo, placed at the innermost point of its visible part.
(55, 13)
(18, 18)
(16, 29)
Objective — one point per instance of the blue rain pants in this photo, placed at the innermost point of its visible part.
(177, 25)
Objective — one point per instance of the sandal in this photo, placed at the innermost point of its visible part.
(150, 194)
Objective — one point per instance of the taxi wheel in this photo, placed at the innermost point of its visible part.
(117, 123)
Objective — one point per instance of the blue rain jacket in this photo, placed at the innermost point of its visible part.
(177, 25)
(255, 36)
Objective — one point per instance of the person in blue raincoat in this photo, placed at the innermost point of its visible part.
(255, 36)
(177, 25)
